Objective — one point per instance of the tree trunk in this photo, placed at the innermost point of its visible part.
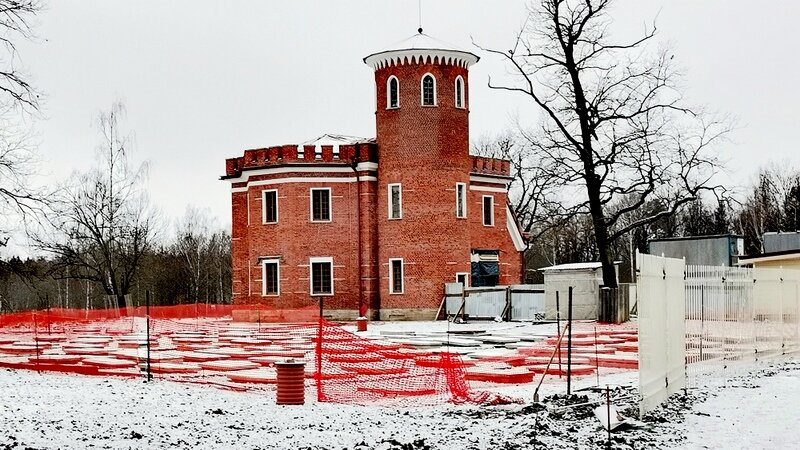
(121, 304)
(600, 231)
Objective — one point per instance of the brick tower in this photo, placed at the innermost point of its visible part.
(422, 125)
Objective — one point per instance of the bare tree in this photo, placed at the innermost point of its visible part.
(17, 159)
(17, 166)
(614, 121)
(101, 223)
(771, 205)
(193, 242)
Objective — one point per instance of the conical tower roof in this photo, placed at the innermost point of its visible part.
(418, 48)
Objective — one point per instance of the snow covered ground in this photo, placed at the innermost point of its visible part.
(758, 409)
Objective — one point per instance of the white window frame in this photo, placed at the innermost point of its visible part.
(400, 198)
(264, 206)
(466, 278)
(422, 90)
(463, 202)
(319, 259)
(264, 263)
(311, 204)
(402, 276)
(483, 210)
(456, 90)
(389, 92)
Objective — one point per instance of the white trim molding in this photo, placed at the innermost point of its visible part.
(457, 91)
(402, 276)
(490, 180)
(483, 210)
(362, 166)
(319, 259)
(513, 230)
(422, 90)
(488, 189)
(264, 206)
(389, 92)
(305, 168)
(462, 202)
(419, 56)
(264, 262)
(311, 204)
(390, 210)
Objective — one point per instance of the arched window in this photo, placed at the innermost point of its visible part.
(428, 90)
(392, 93)
(459, 92)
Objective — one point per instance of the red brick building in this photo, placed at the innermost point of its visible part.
(378, 226)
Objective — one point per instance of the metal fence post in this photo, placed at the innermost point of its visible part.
(147, 318)
(569, 343)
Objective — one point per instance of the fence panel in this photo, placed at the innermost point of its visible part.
(662, 330)
(485, 303)
(527, 302)
(767, 314)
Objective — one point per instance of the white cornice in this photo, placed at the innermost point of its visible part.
(490, 180)
(419, 56)
(310, 168)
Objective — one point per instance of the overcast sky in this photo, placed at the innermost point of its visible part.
(204, 80)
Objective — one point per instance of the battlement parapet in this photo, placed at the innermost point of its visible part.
(491, 166)
(259, 158)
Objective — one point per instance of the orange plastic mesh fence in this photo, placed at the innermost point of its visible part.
(201, 344)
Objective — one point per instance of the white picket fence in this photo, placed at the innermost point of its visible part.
(693, 319)
(740, 314)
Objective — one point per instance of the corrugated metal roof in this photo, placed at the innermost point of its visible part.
(337, 139)
(574, 266)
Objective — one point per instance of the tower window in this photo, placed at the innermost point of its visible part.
(270, 277)
(320, 204)
(393, 93)
(395, 201)
(488, 210)
(428, 90)
(459, 92)
(396, 283)
(269, 203)
(461, 200)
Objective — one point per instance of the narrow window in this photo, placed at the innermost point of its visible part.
(488, 210)
(393, 93)
(269, 201)
(321, 276)
(396, 276)
(395, 201)
(461, 200)
(270, 277)
(428, 90)
(459, 92)
(461, 277)
(320, 204)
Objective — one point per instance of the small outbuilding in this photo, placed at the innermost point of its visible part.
(787, 259)
(585, 279)
(716, 250)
